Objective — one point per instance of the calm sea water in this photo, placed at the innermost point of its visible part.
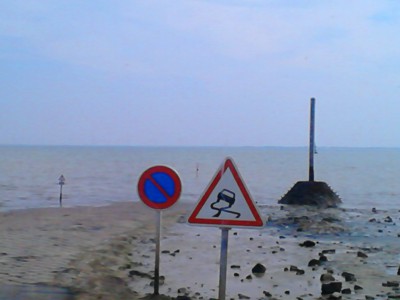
(95, 176)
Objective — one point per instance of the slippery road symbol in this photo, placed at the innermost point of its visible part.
(225, 197)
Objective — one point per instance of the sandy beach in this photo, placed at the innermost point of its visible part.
(108, 253)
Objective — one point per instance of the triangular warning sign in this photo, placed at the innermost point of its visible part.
(226, 201)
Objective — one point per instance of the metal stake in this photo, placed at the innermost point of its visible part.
(157, 261)
(223, 263)
(312, 144)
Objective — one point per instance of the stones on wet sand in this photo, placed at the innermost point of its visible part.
(314, 262)
(295, 269)
(346, 291)
(349, 276)
(391, 284)
(331, 287)
(361, 254)
(258, 269)
(307, 244)
(327, 277)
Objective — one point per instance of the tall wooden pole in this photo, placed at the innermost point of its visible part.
(312, 143)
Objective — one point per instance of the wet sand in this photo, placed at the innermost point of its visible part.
(108, 253)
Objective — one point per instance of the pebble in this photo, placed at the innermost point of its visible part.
(327, 277)
(314, 262)
(349, 276)
(259, 269)
(357, 287)
(361, 254)
(307, 244)
(331, 287)
(346, 291)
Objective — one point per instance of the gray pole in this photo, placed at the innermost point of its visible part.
(61, 182)
(223, 263)
(61, 195)
(157, 261)
(312, 144)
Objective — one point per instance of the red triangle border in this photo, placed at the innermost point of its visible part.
(193, 219)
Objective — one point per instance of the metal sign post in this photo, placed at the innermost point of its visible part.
(61, 182)
(159, 187)
(223, 263)
(312, 140)
(157, 260)
(226, 203)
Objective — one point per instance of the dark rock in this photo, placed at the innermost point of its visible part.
(139, 274)
(346, 291)
(316, 193)
(249, 277)
(388, 219)
(287, 292)
(361, 254)
(331, 287)
(241, 296)
(357, 287)
(236, 275)
(398, 271)
(300, 272)
(293, 269)
(314, 262)
(182, 290)
(235, 267)
(369, 297)
(307, 244)
(327, 277)
(323, 258)
(329, 251)
(258, 269)
(349, 276)
(183, 298)
(267, 294)
(391, 284)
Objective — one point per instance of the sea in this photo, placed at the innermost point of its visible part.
(102, 175)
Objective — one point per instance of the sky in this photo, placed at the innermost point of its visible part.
(199, 72)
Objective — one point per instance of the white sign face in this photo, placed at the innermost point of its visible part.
(226, 202)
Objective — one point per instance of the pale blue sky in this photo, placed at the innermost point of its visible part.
(186, 72)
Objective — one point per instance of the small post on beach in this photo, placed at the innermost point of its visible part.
(61, 182)
(312, 143)
(157, 260)
(223, 263)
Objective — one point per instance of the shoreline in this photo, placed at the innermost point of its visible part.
(108, 252)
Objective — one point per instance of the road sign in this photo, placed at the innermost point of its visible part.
(226, 202)
(159, 187)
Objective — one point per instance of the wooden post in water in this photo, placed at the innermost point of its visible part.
(312, 144)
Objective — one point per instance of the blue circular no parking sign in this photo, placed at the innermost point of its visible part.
(159, 187)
